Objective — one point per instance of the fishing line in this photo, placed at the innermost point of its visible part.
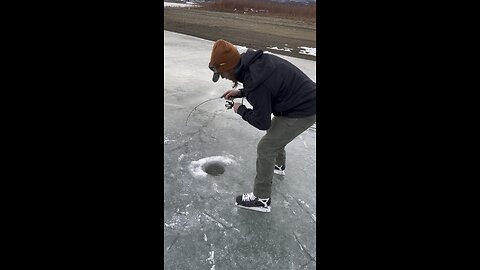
(197, 107)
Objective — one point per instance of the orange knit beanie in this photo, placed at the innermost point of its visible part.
(225, 56)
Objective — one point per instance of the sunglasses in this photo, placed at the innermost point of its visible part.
(216, 74)
(213, 68)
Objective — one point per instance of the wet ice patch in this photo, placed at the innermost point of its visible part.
(196, 168)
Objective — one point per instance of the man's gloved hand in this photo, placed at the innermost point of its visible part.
(231, 94)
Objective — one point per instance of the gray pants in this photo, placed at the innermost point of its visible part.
(271, 149)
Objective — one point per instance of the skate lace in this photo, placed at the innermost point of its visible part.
(248, 197)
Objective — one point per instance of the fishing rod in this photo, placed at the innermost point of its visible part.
(229, 105)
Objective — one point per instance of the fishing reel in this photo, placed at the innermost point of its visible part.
(229, 104)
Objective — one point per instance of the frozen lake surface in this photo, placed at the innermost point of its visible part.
(203, 229)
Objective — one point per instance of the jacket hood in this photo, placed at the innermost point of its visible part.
(254, 69)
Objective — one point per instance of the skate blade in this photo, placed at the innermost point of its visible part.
(258, 209)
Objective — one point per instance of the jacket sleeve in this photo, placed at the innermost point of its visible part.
(260, 115)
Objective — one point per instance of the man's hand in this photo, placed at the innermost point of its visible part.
(231, 94)
(235, 106)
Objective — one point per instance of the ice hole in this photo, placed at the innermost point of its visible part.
(213, 168)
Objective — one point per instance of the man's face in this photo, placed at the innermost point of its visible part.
(229, 75)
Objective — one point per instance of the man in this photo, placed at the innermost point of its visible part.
(271, 85)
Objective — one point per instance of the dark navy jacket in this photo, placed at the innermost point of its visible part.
(273, 85)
